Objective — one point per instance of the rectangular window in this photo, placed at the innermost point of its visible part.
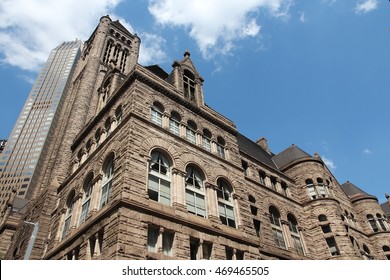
(84, 211)
(195, 203)
(226, 214)
(278, 236)
(174, 126)
(194, 247)
(221, 151)
(332, 246)
(297, 244)
(159, 190)
(156, 117)
(326, 229)
(206, 251)
(312, 191)
(168, 243)
(256, 224)
(322, 190)
(153, 233)
(65, 231)
(207, 144)
(191, 136)
(105, 194)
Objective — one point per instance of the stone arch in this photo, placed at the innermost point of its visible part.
(152, 143)
(188, 158)
(220, 172)
(269, 201)
(320, 211)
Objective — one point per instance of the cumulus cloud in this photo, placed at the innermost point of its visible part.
(366, 6)
(329, 162)
(151, 49)
(29, 30)
(216, 25)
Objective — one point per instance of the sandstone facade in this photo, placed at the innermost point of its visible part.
(141, 168)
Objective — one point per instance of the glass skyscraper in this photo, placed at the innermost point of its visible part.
(20, 156)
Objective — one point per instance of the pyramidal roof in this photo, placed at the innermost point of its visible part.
(120, 26)
(354, 192)
(289, 155)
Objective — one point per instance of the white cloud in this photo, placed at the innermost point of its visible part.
(29, 30)
(366, 6)
(151, 49)
(329, 162)
(367, 151)
(216, 25)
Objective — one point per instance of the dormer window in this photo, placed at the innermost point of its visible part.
(189, 85)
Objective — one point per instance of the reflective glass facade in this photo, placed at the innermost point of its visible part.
(20, 156)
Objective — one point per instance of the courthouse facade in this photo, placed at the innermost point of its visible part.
(141, 168)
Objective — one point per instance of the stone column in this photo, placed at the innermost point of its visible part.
(212, 203)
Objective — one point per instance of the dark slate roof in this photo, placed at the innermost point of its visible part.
(119, 25)
(386, 209)
(254, 150)
(290, 154)
(353, 192)
(157, 70)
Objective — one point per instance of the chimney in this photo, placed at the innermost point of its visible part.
(263, 142)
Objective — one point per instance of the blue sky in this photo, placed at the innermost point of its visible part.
(309, 73)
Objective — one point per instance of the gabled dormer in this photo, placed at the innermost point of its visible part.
(187, 80)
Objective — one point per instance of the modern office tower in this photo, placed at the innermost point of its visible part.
(139, 167)
(27, 141)
(2, 145)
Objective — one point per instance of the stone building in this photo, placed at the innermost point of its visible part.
(142, 168)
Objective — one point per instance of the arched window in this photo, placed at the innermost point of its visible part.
(321, 188)
(86, 200)
(294, 231)
(372, 222)
(68, 215)
(380, 221)
(118, 115)
(195, 196)
(206, 140)
(107, 52)
(276, 227)
(386, 250)
(322, 218)
(189, 85)
(97, 137)
(157, 113)
(107, 126)
(311, 189)
(88, 148)
(355, 245)
(174, 123)
(108, 174)
(221, 147)
(159, 182)
(225, 203)
(191, 132)
(122, 65)
(366, 252)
